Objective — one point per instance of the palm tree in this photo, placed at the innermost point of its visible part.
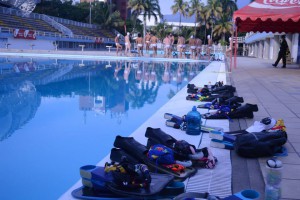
(162, 29)
(229, 6)
(205, 20)
(180, 6)
(213, 12)
(195, 9)
(224, 26)
(146, 8)
(102, 16)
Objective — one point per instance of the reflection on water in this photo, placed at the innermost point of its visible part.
(101, 86)
(57, 115)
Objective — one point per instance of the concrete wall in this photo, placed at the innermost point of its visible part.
(268, 48)
(29, 44)
(295, 47)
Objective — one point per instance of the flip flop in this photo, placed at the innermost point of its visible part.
(219, 135)
(221, 144)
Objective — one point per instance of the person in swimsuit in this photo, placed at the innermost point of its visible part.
(147, 40)
(192, 44)
(139, 42)
(153, 42)
(198, 46)
(167, 45)
(209, 45)
(172, 40)
(127, 44)
(181, 45)
(118, 46)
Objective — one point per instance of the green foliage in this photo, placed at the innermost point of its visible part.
(81, 12)
(182, 7)
(102, 16)
(223, 42)
(64, 10)
(161, 30)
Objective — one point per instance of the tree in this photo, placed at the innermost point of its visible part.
(146, 8)
(103, 17)
(161, 30)
(182, 7)
(205, 20)
(228, 7)
(195, 9)
(224, 26)
(213, 12)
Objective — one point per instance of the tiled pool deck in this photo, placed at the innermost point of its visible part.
(276, 91)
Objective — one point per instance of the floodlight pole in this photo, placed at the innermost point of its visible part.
(90, 11)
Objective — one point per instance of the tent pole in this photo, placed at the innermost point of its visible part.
(231, 48)
(235, 48)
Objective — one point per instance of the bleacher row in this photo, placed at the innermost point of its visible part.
(18, 22)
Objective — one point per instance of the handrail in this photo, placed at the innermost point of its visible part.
(58, 26)
(71, 22)
(57, 35)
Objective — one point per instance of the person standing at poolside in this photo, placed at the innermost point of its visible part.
(118, 46)
(147, 41)
(282, 53)
(139, 42)
(209, 45)
(192, 44)
(172, 40)
(153, 45)
(180, 45)
(127, 44)
(167, 44)
(198, 46)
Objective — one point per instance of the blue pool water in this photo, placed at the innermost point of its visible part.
(57, 115)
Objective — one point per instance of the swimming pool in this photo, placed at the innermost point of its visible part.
(57, 115)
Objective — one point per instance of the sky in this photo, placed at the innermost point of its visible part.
(166, 4)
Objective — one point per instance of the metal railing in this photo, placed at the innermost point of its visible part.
(56, 23)
(58, 35)
(58, 26)
(71, 22)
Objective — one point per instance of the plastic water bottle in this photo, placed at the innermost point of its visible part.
(273, 179)
(209, 86)
(193, 122)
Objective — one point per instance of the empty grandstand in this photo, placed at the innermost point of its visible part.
(38, 31)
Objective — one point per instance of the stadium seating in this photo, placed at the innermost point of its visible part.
(14, 21)
(94, 32)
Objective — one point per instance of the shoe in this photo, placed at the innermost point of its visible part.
(283, 67)
(274, 65)
(174, 118)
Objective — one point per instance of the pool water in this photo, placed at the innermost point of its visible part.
(58, 115)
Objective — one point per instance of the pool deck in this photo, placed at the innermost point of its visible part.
(276, 91)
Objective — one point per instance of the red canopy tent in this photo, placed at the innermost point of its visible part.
(269, 16)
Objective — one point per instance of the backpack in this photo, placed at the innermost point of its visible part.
(161, 154)
(262, 144)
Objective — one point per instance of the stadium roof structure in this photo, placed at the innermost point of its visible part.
(26, 6)
(173, 19)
